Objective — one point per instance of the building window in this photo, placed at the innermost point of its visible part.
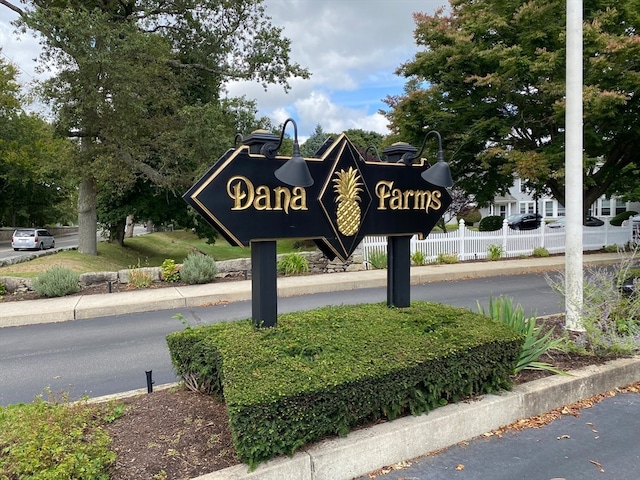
(548, 208)
(561, 212)
(605, 207)
(621, 206)
(503, 211)
(527, 207)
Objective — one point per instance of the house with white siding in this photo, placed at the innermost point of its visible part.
(520, 200)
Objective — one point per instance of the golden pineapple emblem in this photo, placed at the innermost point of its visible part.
(348, 186)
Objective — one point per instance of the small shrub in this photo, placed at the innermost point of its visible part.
(50, 441)
(292, 264)
(490, 223)
(57, 282)
(610, 248)
(536, 342)
(470, 215)
(418, 258)
(540, 252)
(447, 258)
(495, 252)
(621, 217)
(3, 290)
(170, 272)
(197, 269)
(378, 259)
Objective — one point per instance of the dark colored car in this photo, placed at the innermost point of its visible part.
(524, 221)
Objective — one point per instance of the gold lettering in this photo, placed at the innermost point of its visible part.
(406, 194)
(263, 200)
(420, 202)
(382, 192)
(283, 197)
(237, 194)
(396, 199)
(437, 204)
(244, 195)
(299, 199)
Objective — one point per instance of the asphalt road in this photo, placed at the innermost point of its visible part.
(602, 443)
(111, 354)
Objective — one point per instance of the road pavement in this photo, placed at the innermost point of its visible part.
(602, 442)
(369, 449)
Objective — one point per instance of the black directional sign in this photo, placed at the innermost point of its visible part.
(350, 198)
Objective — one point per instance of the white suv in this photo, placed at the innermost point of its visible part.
(32, 239)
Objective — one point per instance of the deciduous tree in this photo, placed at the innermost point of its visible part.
(491, 78)
(124, 71)
(33, 190)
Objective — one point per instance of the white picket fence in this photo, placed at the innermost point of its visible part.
(473, 245)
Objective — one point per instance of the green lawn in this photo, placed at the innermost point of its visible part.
(141, 251)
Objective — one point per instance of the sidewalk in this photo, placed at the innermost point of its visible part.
(91, 306)
(364, 450)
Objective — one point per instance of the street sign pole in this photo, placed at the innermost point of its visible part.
(398, 271)
(264, 288)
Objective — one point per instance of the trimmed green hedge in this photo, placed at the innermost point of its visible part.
(324, 371)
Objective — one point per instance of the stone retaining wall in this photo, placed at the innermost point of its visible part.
(238, 268)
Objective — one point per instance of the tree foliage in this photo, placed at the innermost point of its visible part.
(361, 139)
(33, 190)
(128, 73)
(491, 78)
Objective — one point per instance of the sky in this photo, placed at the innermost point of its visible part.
(351, 47)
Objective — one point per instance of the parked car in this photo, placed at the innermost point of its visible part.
(32, 239)
(588, 222)
(524, 221)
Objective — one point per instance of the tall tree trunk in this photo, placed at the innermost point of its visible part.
(118, 234)
(87, 217)
(128, 233)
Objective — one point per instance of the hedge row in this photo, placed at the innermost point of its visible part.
(322, 372)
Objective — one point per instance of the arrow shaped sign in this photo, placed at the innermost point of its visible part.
(350, 198)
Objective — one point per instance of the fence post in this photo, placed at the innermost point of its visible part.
(505, 226)
(461, 235)
(542, 226)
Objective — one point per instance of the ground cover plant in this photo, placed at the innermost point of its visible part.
(51, 440)
(325, 371)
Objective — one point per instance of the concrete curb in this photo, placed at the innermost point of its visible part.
(147, 300)
(365, 450)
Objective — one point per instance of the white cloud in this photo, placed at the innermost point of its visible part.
(351, 48)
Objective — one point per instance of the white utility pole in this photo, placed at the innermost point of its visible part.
(573, 168)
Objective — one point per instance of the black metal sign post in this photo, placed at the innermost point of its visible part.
(399, 271)
(243, 200)
(264, 290)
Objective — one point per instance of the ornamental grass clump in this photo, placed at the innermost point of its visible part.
(57, 282)
(197, 269)
(536, 342)
(610, 317)
(292, 264)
